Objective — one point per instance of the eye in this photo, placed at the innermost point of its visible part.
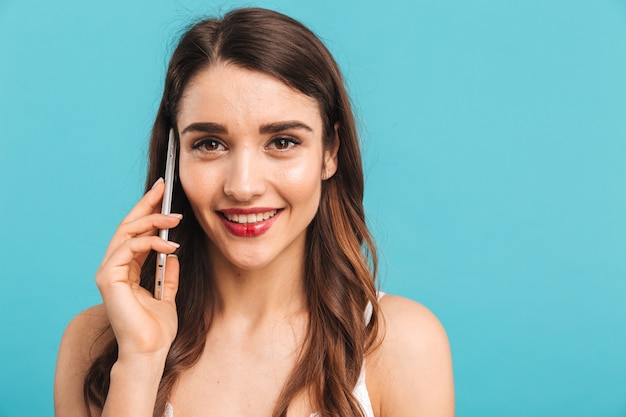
(208, 145)
(283, 143)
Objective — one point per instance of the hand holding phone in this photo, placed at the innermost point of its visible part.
(166, 207)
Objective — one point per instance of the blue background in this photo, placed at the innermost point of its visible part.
(494, 135)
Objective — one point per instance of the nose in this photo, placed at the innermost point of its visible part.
(245, 179)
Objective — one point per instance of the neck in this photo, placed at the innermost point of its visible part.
(272, 292)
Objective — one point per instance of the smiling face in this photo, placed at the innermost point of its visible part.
(252, 161)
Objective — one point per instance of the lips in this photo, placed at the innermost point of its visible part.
(249, 222)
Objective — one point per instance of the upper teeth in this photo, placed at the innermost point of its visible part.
(250, 218)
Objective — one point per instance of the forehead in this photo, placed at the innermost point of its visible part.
(229, 94)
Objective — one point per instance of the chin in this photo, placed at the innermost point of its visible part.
(249, 262)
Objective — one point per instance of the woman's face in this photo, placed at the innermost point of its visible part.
(251, 163)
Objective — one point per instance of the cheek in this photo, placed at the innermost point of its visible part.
(195, 183)
(200, 191)
(302, 182)
(186, 179)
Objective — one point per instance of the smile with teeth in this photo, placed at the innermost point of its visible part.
(250, 218)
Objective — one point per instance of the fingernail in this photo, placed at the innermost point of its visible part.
(171, 255)
(156, 182)
(176, 215)
(176, 245)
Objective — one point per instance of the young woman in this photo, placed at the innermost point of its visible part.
(270, 306)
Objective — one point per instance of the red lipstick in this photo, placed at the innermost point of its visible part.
(231, 218)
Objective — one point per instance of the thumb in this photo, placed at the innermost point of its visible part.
(170, 286)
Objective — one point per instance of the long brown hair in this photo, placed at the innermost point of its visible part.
(340, 263)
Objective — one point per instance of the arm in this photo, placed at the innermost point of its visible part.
(143, 327)
(412, 368)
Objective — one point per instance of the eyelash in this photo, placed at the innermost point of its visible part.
(281, 143)
(202, 144)
(288, 140)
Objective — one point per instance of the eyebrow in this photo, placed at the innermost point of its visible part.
(206, 127)
(282, 126)
(277, 127)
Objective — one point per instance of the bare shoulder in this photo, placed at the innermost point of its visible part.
(86, 333)
(411, 370)
(409, 324)
(83, 339)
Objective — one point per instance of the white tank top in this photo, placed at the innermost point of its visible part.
(360, 390)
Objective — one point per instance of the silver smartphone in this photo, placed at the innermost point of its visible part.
(166, 207)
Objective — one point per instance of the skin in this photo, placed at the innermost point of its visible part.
(230, 160)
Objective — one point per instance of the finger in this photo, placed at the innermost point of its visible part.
(116, 268)
(149, 203)
(170, 286)
(148, 225)
(144, 226)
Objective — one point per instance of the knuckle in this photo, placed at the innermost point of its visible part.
(100, 277)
